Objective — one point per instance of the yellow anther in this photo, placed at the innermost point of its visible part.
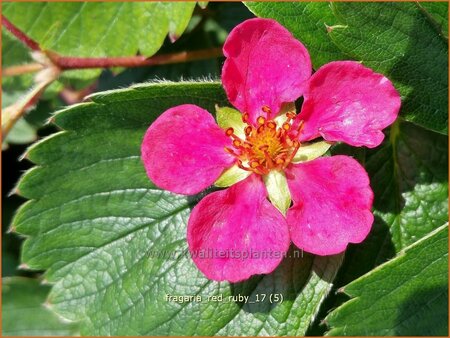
(254, 164)
(265, 146)
(261, 120)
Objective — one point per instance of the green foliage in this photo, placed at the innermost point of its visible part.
(96, 29)
(86, 29)
(115, 245)
(404, 41)
(398, 40)
(165, 18)
(408, 175)
(407, 296)
(437, 12)
(23, 311)
(22, 132)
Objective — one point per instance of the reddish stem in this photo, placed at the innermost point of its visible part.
(66, 62)
(60, 63)
(75, 96)
(27, 41)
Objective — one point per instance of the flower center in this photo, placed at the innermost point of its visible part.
(267, 146)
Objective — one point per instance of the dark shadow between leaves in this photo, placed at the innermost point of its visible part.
(412, 157)
(286, 282)
(194, 199)
(363, 257)
(359, 259)
(423, 71)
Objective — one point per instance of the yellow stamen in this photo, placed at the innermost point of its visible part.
(266, 146)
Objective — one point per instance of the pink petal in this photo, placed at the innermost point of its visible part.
(332, 201)
(183, 150)
(239, 219)
(348, 102)
(265, 66)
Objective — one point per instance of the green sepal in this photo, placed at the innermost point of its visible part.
(230, 118)
(278, 190)
(231, 176)
(311, 151)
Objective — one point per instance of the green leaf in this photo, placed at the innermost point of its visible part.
(278, 190)
(197, 38)
(404, 41)
(438, 15)
(21, 133)
(99, 29)
(23, 313)
(114, 245)
(408, 175)
(407, 296)
(10, 242)
(25, 129)
(308, 22)
(400, 41)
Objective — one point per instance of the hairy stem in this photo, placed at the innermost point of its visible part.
(26, 40)
(22, 69)
(64, 62)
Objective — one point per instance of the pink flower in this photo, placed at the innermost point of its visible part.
(237, 232)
